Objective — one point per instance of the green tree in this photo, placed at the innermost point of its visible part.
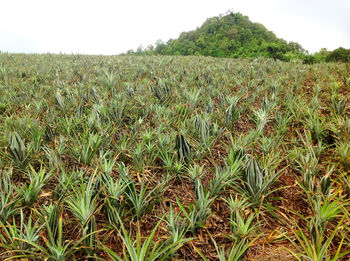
(339, 55)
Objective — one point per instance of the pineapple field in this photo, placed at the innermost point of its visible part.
(173, 158)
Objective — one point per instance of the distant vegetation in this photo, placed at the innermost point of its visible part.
(234, 36)
(338, 55)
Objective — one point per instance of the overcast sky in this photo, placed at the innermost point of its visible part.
(112, 27)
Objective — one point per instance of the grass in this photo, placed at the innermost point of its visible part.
(173, 158)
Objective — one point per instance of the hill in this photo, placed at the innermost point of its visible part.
(232, 35)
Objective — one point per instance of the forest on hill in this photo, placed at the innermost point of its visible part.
(233, 35)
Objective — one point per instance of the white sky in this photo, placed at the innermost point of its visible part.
(112, 27)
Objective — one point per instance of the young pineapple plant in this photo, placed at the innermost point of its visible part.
(261, 118)
(257, 182)
(282, 120)
(316, 125)
(8, 198)
(236, 252)
(161, 91)
(30, 191)
(19, 153)
(37, 134)
(149, 250)
(202, 128)
(317, 244)
(113, 191)
(339, 105)
(267, 144)
(197, 214)
(192, 96)
(117, 110)
(343, 149)
(309, 168)
(20, 239)
(141, 200)
(60, 101)
(85, 150)
(223, 178)
(177, 225)
(232, 114)
(138, 156)
(109, 80)
(56, 247)
(83, 205)
(183, 148)
(237, 206)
